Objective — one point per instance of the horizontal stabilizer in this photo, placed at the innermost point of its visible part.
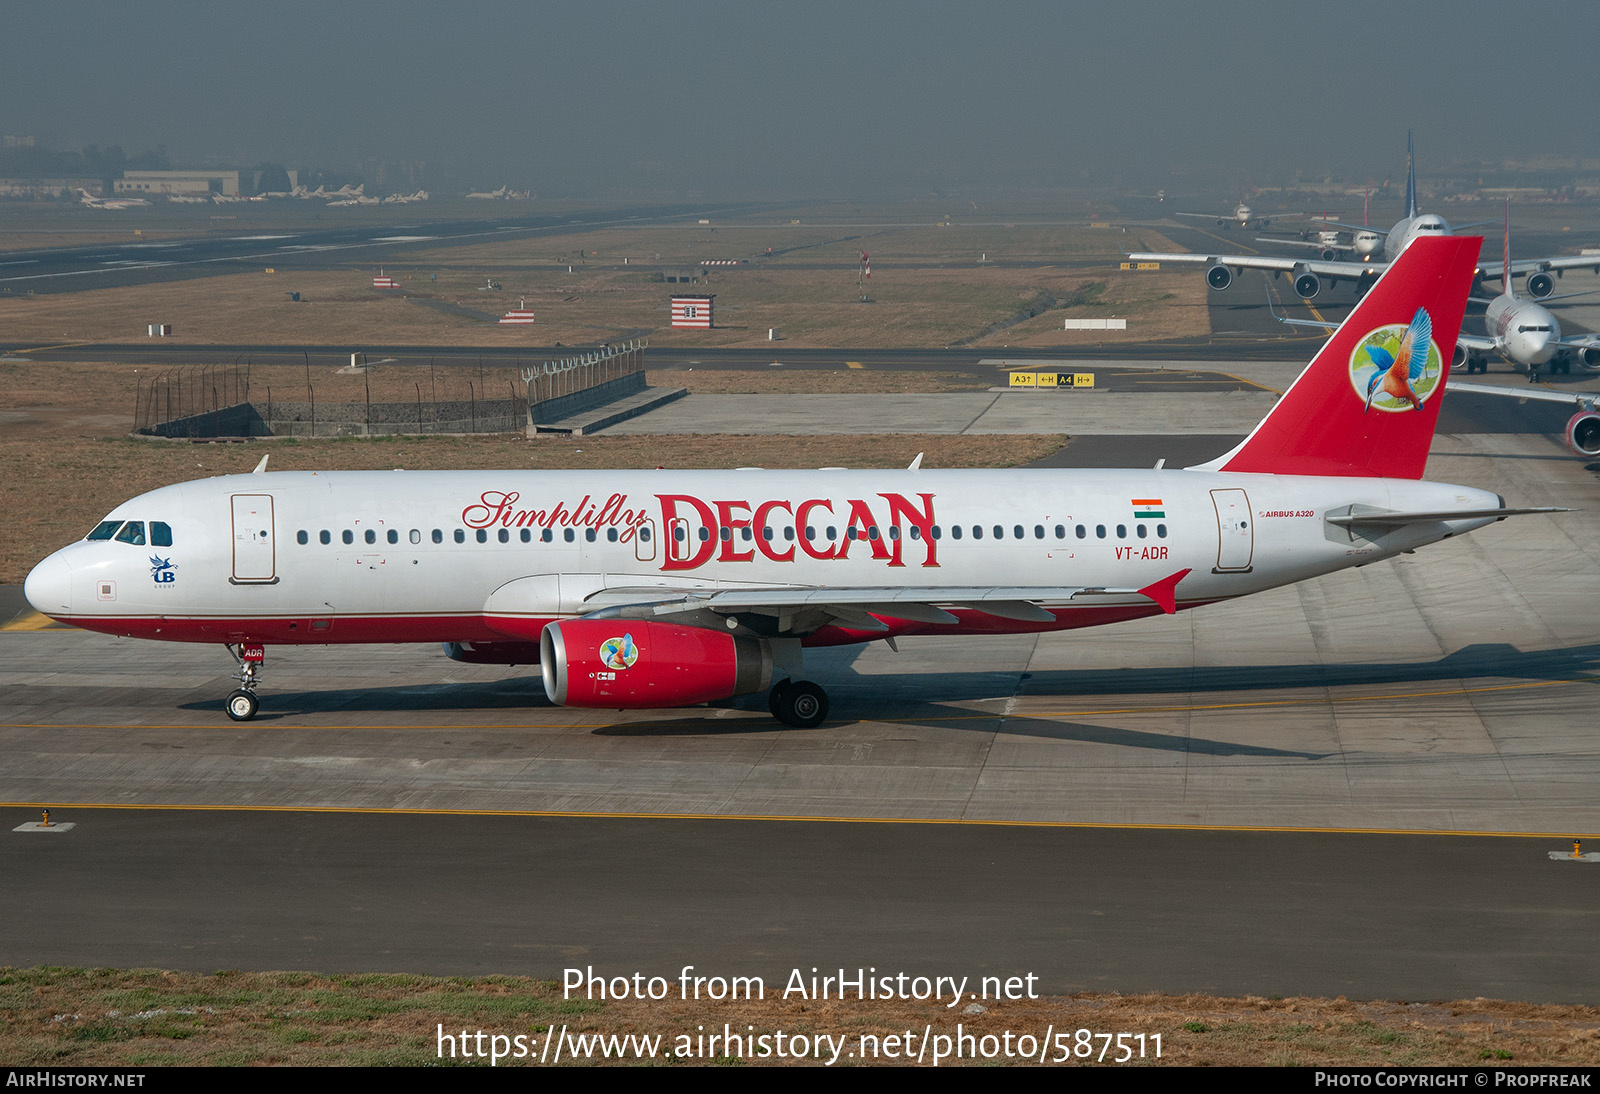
(1382, 518)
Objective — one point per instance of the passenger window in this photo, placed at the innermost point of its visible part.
(1061, 531)
(1100, 531)
(977, 531)
(324, 537)
(527, 535)
(705, 533)
(894, 531)
(371, 536)
(132, 532)
(1161, 531)
(161, 534)
(301, 538)
(588, 534)
(1038, 531)
(569, 535)
(394, 535)
(105, 529)
(505, 535)
(955, 531)
(483, 535)
(611, 535)
(872, 532)
(548, 536)
(938, 532)
(644, 533)
(1142, 530)
(1122, 531)
(1083, 533)
(416, 535)
(461, 535)
(1017, 531)
(438, 535)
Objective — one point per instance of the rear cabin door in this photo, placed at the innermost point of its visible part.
(1235, 531)
(255, 560)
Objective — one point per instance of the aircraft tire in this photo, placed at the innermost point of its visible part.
(775, 698)
(242, 705)
(801, 704)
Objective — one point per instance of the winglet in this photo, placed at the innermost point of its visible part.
(1165, 591)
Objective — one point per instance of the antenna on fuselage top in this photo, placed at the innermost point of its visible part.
(262, 466)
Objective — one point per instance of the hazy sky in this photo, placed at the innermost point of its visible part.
(818, 98)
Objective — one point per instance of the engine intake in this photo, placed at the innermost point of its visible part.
(631, 664)
(1219, 277)
(1540, 285)
(1307, 285)
(1583, 433)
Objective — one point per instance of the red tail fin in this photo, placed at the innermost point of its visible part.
(1357, 409)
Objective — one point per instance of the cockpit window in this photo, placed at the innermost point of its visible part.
(132, 532)
(160, 534)
(105, 529)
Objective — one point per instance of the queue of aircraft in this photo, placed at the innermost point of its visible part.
(1308, 275)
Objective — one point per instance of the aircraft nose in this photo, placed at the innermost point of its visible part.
(48, 586)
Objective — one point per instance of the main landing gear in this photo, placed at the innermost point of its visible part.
(243, 704)
(798, 703)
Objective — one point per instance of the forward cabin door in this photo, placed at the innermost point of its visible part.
(1236, 533)
(255, 555)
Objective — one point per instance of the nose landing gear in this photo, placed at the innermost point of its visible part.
(243, 704)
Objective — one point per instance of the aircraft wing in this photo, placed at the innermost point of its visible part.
(1314, 244)
(1492, 270)
(800, 609)
(1471, 341)
(1582, 400)
(1319, 266)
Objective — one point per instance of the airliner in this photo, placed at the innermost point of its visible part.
(1307, 275)
(110, 203)
(1242, 215)
(665, 588)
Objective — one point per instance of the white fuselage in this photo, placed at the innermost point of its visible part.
(453, 556)
(1524, 332)
(1407, 229)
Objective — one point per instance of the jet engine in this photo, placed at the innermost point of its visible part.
(1583, 433)
(1329, 254)
(638, 664)
(1590, 358)
(1219, 277)
(1540, 285)
(1307, 285)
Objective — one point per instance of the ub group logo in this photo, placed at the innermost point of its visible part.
(162, 571)
(619, 653)
(1396, 367)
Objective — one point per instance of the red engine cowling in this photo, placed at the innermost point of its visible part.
(1583, 433)
(639, 664)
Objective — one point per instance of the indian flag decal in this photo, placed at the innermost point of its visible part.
(1148, 509)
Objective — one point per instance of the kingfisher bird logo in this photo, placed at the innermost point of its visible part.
(619, 653)
(162, 571)
(1396, 368)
